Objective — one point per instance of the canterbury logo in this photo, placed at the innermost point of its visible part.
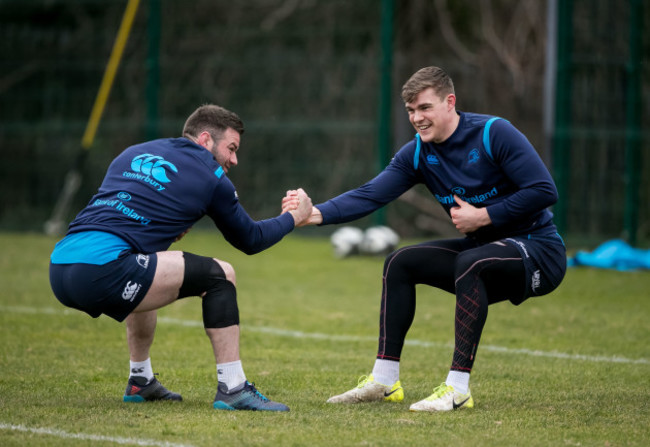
(130, 291)
(143, 260)
(154, 166)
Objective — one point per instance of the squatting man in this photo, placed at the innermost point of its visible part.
(114, 259)
(491, 182)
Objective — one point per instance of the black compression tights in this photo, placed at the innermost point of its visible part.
(477, 275)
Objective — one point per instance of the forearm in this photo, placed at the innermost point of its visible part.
(523, 203)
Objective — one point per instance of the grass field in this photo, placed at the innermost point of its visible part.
(569, 369)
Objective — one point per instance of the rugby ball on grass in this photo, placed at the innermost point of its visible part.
(379, 240)
(346, 240)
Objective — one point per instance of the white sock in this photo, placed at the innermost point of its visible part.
(231, 373)
(459, 380)
(386, 372)
(142, 369)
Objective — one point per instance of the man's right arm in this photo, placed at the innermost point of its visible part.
(392, 182)
(355, 203)
(241, 230)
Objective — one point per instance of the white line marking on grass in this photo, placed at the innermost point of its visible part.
(354, 338)
(89, 437)
(428, 344)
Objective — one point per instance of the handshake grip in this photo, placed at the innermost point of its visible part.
(299, 204)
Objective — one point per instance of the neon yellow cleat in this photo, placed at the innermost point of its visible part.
(370, 391)
(444, 398)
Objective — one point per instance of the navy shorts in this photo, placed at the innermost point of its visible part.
(113, 289)
(543, 265)
(544, 257)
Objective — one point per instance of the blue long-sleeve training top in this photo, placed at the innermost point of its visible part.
(154, 191)
(486, 162)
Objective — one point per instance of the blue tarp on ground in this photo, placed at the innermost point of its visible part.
(614, 254)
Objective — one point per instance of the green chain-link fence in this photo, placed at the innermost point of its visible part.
(309, 80)
(602, 150)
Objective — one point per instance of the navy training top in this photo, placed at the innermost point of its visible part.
(154, 191)
(486, 162)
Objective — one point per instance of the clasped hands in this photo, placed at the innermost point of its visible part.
(298, 203)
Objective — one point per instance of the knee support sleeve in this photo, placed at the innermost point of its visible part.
(205, 275)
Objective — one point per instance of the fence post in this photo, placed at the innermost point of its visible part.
(384, 140)
(562, 139)
(633, 123)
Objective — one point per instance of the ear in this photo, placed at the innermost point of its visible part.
(451, 101)
(204, 139)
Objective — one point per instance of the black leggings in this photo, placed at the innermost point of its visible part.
(477, 275)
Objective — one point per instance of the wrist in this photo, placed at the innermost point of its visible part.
(316, 216)
(485, 218)
(294, 215)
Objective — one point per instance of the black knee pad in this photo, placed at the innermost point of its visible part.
(200, 274)
(205, 275)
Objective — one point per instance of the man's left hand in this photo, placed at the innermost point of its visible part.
(468, 218)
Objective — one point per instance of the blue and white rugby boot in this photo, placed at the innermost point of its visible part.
(244, 398)
(139, 389)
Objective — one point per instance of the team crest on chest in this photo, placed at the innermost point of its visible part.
(473, 156)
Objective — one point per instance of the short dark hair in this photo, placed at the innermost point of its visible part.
(424, 78)
(213, 119)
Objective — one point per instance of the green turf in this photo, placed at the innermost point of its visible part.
(569, 369)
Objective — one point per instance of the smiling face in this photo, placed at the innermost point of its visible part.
(224, 148)
(434, 118)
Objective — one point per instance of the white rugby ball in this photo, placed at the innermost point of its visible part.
(346, 240)
(379, 240)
